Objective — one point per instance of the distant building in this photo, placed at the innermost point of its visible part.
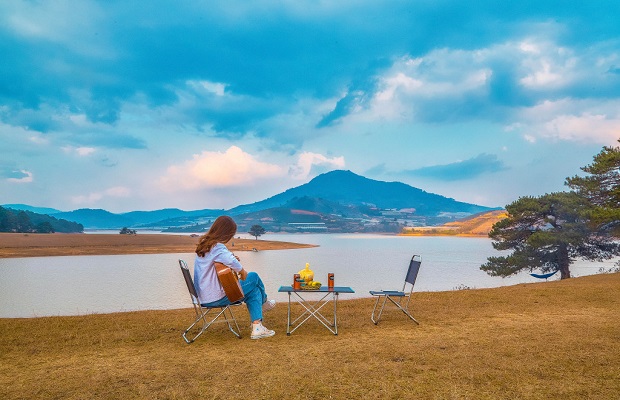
(308, 226)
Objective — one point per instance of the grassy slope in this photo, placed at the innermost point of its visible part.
(476, 225)
(555, 340)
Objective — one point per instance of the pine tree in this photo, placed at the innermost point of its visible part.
(549, 232)
(602, 188)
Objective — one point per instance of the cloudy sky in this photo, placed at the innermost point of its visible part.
(145, 105)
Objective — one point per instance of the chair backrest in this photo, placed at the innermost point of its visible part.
(414, 268)
(188, 281)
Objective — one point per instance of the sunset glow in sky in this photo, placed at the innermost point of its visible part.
(163, 104)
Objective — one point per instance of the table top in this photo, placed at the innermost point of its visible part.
(322, 289)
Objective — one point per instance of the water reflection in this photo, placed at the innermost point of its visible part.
(75, 285)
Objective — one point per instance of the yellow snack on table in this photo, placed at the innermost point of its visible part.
(306, 274)
(312, 285)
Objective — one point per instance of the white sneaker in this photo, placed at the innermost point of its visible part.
(269, 305)
(259, 332)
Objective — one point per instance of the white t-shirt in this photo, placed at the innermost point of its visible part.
(206, 282)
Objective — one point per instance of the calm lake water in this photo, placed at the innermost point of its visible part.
(75, 285)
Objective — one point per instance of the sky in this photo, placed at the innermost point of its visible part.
(136, 105)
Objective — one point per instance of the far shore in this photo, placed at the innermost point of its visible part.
(437, 233)
(13, 245)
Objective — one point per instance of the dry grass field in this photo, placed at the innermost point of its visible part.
(549, 340)
(476, 225)
(72, 244)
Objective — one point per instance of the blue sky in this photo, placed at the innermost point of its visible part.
(146, 105)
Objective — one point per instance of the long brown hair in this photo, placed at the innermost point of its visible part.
(222, 230)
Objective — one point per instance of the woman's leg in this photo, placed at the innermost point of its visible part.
(255, 295)
(223, 302)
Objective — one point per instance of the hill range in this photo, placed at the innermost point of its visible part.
(336, 201)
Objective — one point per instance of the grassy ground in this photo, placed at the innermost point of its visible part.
(555, 340)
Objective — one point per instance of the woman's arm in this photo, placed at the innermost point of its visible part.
(227, 258)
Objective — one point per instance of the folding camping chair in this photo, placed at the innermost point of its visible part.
(412, 274)
(202, 311)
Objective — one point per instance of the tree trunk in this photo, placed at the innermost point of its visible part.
(563, 262)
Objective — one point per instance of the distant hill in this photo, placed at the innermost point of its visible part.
(24, 221)
(102, 219)
(475, 225)
(38, 210)
(96, 218)
(347, 188)
(342, 200)
(479, 224)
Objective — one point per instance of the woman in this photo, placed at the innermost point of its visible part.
(210, 249)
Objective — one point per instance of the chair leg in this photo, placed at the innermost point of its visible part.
(232, 316)
(372, 316)
(206, 324)
(405, 310)
(397, 304)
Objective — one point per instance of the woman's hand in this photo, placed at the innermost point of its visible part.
(243, 274)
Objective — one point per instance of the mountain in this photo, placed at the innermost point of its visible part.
(347, 188)
(38, 210)
(340, 200)
(96, 219)
(102, 219)
(24, 221)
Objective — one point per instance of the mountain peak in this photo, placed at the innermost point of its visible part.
(348, 188)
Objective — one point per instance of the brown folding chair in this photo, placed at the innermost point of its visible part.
(202, 311)
(392, 295)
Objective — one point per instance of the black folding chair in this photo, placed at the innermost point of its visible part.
(202, 311)
(392, 295)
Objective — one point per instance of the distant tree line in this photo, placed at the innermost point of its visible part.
(19, 221)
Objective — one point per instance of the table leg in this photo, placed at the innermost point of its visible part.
(313, 310)
(288, 323)
(336, 313)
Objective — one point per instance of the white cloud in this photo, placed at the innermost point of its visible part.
(439, 73)
(583, 127)
(443, 74)
(38, 139)
(445, 82)
(80, 151)
(211, 87)
(308, 160)
(118, 191)
(209, 169)
(573, 120)
(546, 65)
(235, 168)
(95, 197)
(542, 76)
(87, 199)
(27, 178)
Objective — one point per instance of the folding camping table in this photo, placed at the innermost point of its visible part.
(312, 308)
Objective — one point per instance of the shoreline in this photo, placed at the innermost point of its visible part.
(18, 245)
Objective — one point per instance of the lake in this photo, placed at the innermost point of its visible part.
(77, 285)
